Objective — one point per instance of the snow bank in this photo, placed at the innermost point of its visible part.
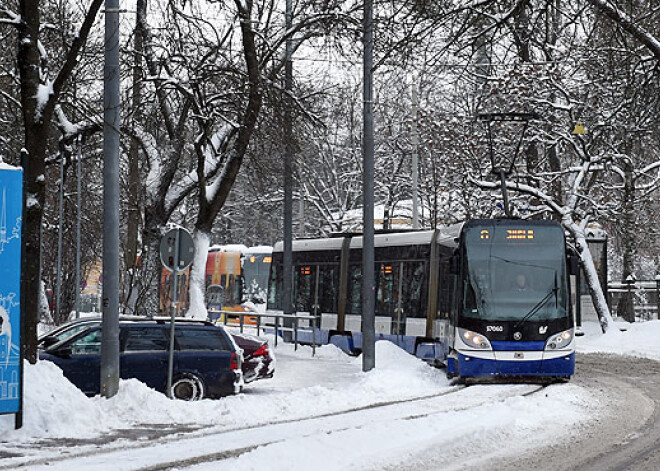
(53, 407)
(401, 372)
(303, 386)
(4, 166)
(640, 339)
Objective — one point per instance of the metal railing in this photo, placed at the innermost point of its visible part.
(277, 323)
(644, 296)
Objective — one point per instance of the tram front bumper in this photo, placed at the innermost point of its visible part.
(512, 363)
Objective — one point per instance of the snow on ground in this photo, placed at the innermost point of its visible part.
(303, 385)
(639, 339)
(460, 428)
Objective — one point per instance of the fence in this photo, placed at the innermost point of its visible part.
(644, 293)
(277, 323)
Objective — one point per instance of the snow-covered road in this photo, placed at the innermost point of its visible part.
(323, 413)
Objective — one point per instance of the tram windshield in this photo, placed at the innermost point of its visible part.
(515, 273)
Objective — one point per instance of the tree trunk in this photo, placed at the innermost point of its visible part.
(626, 306)
(133, 192)
(37, 113)
(33, 186)
(197, 289)
(151, 269)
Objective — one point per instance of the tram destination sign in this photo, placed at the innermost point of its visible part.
(11, 199)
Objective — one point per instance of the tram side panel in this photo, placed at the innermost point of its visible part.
(402, 297)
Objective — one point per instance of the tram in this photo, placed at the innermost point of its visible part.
(482, 298)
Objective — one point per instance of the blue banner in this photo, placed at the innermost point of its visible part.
(11, 199)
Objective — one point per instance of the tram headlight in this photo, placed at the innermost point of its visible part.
(560, 340)
(474, 340)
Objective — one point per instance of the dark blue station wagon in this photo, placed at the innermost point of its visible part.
(206, 359)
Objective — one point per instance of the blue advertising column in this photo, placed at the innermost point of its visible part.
(11, 201)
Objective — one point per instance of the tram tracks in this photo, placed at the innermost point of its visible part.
(213, 444)
(162, 433)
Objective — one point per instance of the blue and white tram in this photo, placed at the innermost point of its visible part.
(513, 316)
(485, 298)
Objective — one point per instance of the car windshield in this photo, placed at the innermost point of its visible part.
(512, 272)
(59, 334)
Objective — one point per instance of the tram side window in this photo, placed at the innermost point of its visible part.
(414, 288)
(387, 288)
(328, 288)
(303, 292)
(354, 295)
(446, 291)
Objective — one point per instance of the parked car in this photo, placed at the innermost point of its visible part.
(258, 360)
(207, 361)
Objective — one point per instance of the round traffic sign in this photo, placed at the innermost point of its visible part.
(177, 246)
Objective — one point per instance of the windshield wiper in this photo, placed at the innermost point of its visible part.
(537, 307)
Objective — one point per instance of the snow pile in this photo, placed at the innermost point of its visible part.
(639, 339)
(305, 385)
(401, 373)
(53, 407)
(5, 166)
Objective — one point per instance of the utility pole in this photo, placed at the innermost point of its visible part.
(368, 284)
(111, 124)
(287, 272)
(415, 157)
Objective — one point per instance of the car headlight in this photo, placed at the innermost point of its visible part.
(474, 340)
(560, 340)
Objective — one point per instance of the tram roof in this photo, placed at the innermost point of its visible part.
(447, 235)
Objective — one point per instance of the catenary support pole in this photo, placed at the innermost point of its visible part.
(287, 272)
(368, 284)
(111, 124)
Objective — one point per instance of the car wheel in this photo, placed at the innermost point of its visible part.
(187, 387)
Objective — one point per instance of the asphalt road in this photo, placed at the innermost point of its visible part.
(627, 438)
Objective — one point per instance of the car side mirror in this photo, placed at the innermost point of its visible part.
(49, 340)
(63, 352)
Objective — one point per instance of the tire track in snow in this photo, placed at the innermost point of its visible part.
(216, 457)
(217, 445)
(147, 433)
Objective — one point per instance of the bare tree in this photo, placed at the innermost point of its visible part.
(41, 86)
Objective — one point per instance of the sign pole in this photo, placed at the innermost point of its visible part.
(175, 270)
